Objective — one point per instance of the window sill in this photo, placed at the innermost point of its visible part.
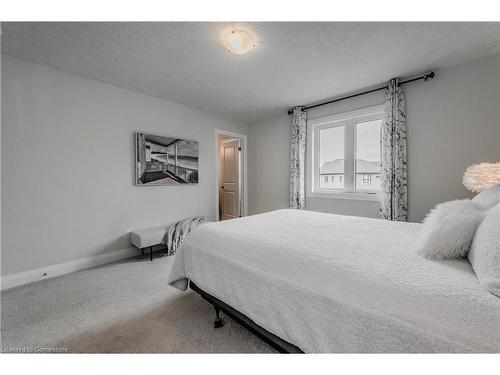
(344, 195)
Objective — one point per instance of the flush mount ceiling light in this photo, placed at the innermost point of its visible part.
(238, 41)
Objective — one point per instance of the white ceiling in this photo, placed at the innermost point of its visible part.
(294, 63)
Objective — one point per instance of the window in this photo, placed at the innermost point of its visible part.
(368, 155)
(346, 146)
(331, 158)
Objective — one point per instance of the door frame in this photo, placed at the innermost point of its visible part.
(244, 169)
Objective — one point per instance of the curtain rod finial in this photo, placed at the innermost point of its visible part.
(302, 108)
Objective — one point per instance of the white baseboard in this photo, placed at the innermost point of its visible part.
(26, 277)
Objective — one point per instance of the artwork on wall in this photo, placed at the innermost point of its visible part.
(164, 160)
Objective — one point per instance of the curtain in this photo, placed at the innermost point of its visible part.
(394, 187)
(297, 193)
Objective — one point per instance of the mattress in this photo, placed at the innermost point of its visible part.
(332, 284)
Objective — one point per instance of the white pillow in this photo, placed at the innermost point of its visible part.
(488, 198)
(449, 229)
(484, 253)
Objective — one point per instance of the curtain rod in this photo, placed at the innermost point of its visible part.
(425, 77)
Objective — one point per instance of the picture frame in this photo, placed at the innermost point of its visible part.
(162, 160)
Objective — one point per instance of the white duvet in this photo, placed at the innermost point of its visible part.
(332, 283)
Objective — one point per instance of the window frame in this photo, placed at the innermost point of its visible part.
(349, 121)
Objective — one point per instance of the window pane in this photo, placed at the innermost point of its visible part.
(368, 165)
(331, 158)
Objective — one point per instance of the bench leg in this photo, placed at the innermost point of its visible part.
(142, 251)
(151, 253)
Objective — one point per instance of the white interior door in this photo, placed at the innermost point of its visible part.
(230, 180)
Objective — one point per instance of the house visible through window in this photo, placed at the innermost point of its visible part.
(366, 179)
(346, 148)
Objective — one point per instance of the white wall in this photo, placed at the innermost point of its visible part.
(269, 157)
(453, 121)
(68, 165)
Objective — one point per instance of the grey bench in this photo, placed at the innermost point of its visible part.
(147, 238)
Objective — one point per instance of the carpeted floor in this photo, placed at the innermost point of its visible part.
(124, 307)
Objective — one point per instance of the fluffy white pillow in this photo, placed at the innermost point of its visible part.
(484, 253)
(488, 198)
(448, 229)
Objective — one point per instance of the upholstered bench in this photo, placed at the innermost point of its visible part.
(147, 238)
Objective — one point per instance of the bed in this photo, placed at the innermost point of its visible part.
(328, 283)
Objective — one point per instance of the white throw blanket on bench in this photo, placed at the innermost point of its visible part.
(177, 232)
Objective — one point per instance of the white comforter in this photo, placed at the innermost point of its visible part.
(332, 283)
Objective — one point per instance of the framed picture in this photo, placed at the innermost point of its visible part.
(164, 160)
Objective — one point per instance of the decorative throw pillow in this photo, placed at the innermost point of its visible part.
(449, 229)
(484, 253)
(488, 198)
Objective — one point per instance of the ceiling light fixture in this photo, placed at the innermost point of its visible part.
(238, 41)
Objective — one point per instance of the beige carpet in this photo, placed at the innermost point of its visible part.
(124, 307)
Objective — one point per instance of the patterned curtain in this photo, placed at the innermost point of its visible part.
(394, 204)
(297, 159)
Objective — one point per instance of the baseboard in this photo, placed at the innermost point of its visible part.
(26, 277)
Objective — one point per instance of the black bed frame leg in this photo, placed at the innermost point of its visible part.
(218, 322)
